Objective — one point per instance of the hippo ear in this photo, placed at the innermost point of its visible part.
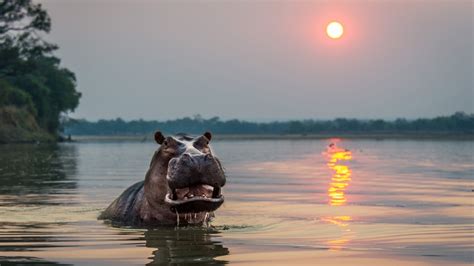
(159, 138)
(208, 135)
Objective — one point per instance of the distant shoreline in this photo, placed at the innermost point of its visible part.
(456, 126)
(374, 136)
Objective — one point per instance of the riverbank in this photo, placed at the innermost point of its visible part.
(17, 125)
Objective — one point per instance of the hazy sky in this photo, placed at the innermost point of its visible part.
(266, 60)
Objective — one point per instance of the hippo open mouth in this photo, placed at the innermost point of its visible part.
(196, 198)
(195, 179)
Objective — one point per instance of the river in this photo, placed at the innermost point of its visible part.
(288, 202)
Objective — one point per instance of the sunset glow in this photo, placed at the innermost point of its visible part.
(341, 176)
(335, 30)
(340, 179)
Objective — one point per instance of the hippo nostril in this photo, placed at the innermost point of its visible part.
(186, 159)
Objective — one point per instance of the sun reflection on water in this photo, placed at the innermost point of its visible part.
(337, 192)
(341, 176)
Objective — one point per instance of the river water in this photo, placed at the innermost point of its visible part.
(288, 202)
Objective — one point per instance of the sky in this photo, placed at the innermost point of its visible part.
(266, 60)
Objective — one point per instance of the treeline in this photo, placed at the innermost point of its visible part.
(458, 123)
(31, 77)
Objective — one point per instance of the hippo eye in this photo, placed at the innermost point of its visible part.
(165, 143)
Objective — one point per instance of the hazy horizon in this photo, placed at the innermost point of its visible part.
(266, 61)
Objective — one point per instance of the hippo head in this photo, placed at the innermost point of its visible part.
(194, 175)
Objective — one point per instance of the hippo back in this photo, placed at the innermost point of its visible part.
(125, 209)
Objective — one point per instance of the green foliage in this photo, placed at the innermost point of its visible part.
(27, 63)
(21, 25)
(458, 123)
(12, 96)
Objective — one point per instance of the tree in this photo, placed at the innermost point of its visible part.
(21, 24)
(28, 64)
(10, 95)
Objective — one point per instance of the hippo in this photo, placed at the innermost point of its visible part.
(182, 186)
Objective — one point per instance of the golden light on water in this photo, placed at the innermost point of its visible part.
(342, 221)
(341, 175)
(337, 193)
(335, 30)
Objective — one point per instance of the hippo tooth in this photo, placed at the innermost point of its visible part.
(175, 196)
(216, 192)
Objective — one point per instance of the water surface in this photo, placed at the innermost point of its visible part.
(361, 202)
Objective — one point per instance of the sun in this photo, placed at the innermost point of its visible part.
(335, 30)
